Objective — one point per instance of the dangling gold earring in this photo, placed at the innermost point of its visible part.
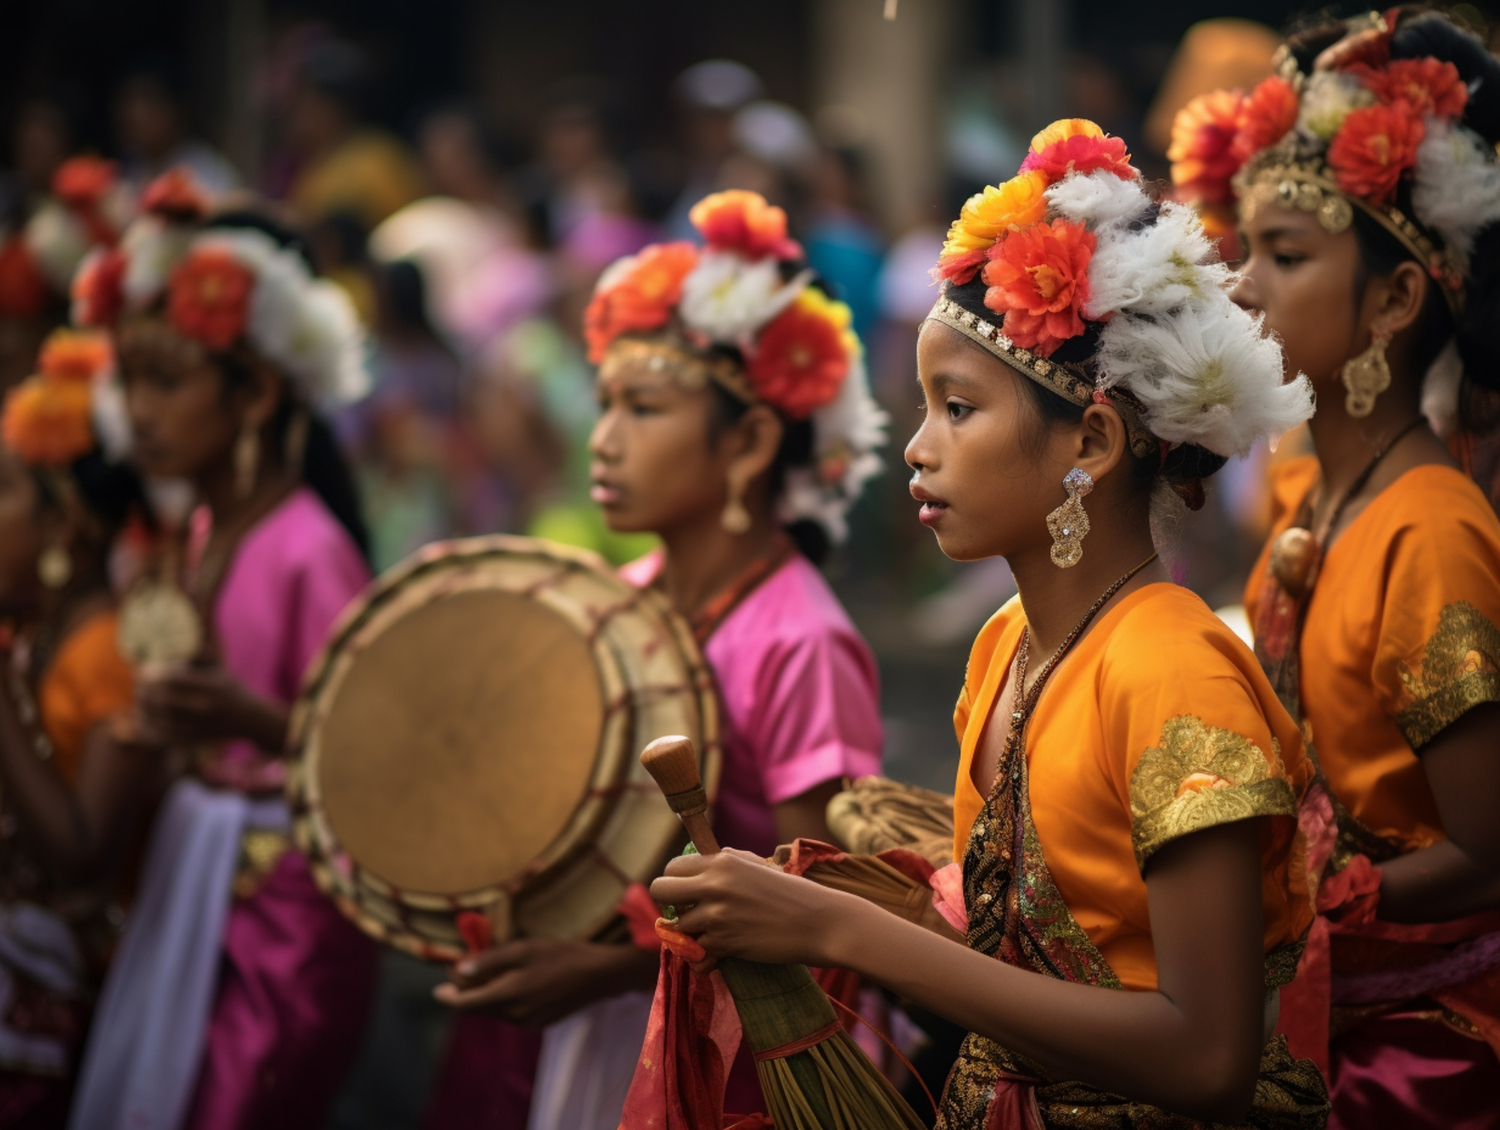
(1069, 523)
(55, 566)
(246, 459)
(734, 518)
(1365, 377)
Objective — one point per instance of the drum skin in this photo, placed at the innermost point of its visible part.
(468, 741)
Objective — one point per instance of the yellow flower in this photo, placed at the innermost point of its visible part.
(987, 217)
(1064, 129)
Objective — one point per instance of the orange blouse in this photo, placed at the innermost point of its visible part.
(1399, 639)
(86, 683)
(1160, 723)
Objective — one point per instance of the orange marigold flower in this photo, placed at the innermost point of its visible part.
(1428, 86)
(75, 355)
(208, 297)
(83, 182)
(175, 195)
(802, 356)
(1202, 150)
(99, 288)
(743, 221)
(1077, 145)
(1038, 278)
(1375, 145)
(642, 300)
(987, 216)
(23, 290)
(48, 422)
(1264, 118)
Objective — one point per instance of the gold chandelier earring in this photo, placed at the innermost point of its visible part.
(735, 518)
(1365, 377)
(55, 566)
(1069, 523)
(246, 459)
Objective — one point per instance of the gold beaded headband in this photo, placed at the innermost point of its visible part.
(690, 370)
(1067, 381)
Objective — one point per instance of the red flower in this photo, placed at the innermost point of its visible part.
(1038, 278)
(208, 297)
(643, 299)
(83, 182)
(175, 195)
(1375, 145)
(1082, 154)
(1264, 118)
(1202, 150)
(1428, 86)
(99, 288)
(743, 221)
(802, 355)
(23, 290)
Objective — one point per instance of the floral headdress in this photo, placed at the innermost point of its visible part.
(1101, 294)
(51, 418)
(221, 286)
(749, 318)
(1364, 130)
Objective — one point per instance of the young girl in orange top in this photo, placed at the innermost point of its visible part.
(1368, 192)
(69, 784)
(1126, 802)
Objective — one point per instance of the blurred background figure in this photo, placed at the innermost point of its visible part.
(151, 125)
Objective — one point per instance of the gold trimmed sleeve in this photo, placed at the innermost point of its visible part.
(1459, 670)
(1199, 776)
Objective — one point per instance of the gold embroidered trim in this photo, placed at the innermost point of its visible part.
(260, 850)
(1460, 668)
(1200, 776)
(685, 368)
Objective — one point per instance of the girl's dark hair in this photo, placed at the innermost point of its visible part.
(1421, 32)
(1185, 466)
(110, 492)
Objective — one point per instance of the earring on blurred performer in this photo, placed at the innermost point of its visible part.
(735, 518)
(1069, 523)
(55, 567)
(1365, 377)
(246, 459)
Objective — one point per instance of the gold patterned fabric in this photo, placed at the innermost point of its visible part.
(1200, 776)
(1459, 669)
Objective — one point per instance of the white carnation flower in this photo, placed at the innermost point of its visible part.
(1205, 374)
(152, 247)
(1098, 199)
(729, 298)
(58, 241)
(1327, 99)
(1153, 269)
(111, 417)
(1456, 190)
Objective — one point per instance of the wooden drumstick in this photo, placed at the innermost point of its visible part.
(673, 765)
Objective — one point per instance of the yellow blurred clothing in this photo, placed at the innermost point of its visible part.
(370, 174)
(1400, 638)
(1158, 724)
(87, 683)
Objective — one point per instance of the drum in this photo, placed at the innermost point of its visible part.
(468, 740)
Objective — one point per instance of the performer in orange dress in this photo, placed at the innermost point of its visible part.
(1368, 194)
(1132, 887)
(70, 784)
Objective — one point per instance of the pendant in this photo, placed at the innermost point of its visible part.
(1294, 557)
(158, 624)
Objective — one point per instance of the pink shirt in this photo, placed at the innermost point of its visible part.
(800, 695)
(291, 575)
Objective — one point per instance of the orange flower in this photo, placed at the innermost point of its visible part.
(1202, 150)
(1428, 86)
(175, 195)
(99, 289)
(743, 221)
(208, 297)
(83, 182)
(986, 217)
(23, 290)
(48, 422)
(803, 354)
(1077, 145)
(1264, 117)
(1038, 278)
(75, 355)
(1375, 145)
(643, 299)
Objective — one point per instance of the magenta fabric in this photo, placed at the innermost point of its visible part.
(801, 698)
(486, 1076)
(297, 976)
(1409, 1071)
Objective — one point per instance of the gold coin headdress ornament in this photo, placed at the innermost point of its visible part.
(743, 311)
(1074, 276)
